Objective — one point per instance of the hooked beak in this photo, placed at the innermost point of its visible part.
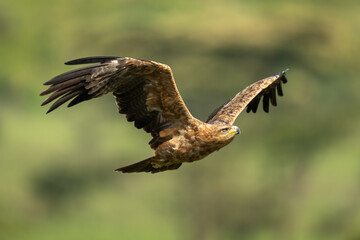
(234, 131)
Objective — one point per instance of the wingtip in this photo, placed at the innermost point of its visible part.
(48, 82)
(71, 62)
(122, 170)
(282, 73)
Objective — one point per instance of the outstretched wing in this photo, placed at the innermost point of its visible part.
(145, 91)
(249, 97)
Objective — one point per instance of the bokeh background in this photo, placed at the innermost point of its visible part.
(292, 174)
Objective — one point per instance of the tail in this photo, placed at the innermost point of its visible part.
(147, 165)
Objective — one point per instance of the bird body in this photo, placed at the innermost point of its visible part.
(186, 145)
(146, 93)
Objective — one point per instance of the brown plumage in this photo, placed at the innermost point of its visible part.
(146, 93)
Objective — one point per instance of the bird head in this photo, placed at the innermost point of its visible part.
(221, 135)
(229, 131)
(224, 133)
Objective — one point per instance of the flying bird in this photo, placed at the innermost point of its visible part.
(146, 93)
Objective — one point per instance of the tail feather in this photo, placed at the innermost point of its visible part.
(147, 166)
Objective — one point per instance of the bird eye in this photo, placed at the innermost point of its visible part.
(224, 129)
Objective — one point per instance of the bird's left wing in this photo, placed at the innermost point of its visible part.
(249, 97)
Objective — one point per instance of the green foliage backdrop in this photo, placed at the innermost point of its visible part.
(291, 174)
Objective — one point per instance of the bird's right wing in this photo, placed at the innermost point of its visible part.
(145, 91)
(250, 98)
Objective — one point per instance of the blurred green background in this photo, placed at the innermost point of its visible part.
(292, 174)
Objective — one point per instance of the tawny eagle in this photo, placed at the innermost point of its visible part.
(146, 92)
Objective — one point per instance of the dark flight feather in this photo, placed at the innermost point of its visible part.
(253, 105)
(266, 102)
(279, 90)
(80, 98)
(61, 92)
(71, 75)
(88, 60)
(62, 100)
(273, 96)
